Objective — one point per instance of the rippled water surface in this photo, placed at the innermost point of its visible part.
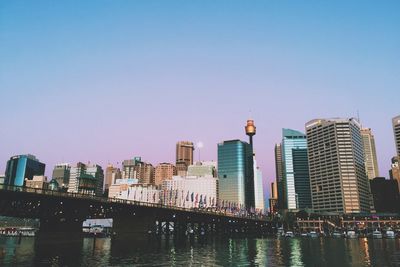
(67, 251)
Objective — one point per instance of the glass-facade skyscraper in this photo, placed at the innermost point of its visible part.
(22, 166)
(295, 170)
(235, 171)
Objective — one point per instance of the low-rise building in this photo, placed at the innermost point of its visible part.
(164, 171)
(190, 191)
(37, 182)
(202, 169)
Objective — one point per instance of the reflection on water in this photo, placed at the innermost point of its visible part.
(217, 251)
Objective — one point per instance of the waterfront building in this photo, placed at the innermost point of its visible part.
(112, 174)
(235, 167)
(86, 179)
(385, 194)
(164, 171)
(396, 132)
(184, 153)
(279, 177)
(22, 167)
(296, 179)
(190, 191)
(371, 162)
(273, 200)
(137, 169)
(61, 173)
(120, 185)
(338, 179)
(202, 169)
(37, 182)
(140, 192)
(395, 170)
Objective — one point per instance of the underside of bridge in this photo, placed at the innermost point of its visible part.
(59, 213)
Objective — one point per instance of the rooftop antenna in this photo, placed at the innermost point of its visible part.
(358, 117)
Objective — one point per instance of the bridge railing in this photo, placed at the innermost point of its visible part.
(211, 211)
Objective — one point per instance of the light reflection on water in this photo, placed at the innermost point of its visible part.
(217, 251)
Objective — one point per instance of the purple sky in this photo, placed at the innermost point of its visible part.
(103, 81)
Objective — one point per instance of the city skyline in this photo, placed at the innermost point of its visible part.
(82, 68)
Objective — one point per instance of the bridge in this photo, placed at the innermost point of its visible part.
(65, 212)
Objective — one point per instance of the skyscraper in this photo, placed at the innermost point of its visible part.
(61, 173)
(235, 165)
(22, 167)
(163, 171)
(336, 165)
(396, 131)
(184, 153)
(112, 174)
(371, 162)
(279, 177)
(296, 177)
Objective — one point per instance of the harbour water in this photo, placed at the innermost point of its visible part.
(218, 251)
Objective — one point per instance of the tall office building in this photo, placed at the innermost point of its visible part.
(296, 179)
(164, 171)
(22, 167)
(137, 169)
(61, 173)
(86, 179)
(281, 202)
(235, 165)
(371, 162)
(184, 153)
(336, 165)
(396, 131)
(112, 174)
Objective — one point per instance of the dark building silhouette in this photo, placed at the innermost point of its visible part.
(386, 195)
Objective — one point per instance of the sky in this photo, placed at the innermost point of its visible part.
(103, 81)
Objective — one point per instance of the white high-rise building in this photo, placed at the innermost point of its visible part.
(338, 179)
(258, 187)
